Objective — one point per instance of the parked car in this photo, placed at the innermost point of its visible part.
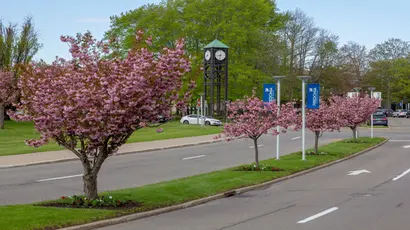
(408, 114)
(379, 119)
(389, 112)
(400, 113)
(197, 119)
(162, 119)
(380, 111)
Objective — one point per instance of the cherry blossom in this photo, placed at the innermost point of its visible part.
(8, 92)
(356, 110)
(251, 118)
(325, 118)
(92, 103)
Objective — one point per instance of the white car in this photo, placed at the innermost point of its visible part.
(396, 113)
(403, 113)
(197, 119)
(400, 113)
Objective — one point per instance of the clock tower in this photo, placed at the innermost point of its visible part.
(216, 77)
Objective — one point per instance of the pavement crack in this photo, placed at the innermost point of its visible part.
(18, 184)
(383, 183)
(256, 217)
(399, 205)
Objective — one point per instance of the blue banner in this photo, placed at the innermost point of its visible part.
(313, 96)
(269, 92)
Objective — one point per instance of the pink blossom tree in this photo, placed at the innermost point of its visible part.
(251, 118)
(8, 92)
(356, 110)
(326, 118)
(92, 103)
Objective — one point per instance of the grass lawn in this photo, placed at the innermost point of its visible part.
(13, 136)
(176, 191)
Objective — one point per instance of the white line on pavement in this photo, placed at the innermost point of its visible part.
(401, 175)
(59, 178)
(254, 146)
(318, 215)
(189, 158)
(295, 138)
(406, 146)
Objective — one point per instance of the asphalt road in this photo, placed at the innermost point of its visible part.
(45, 182)
(378, 198)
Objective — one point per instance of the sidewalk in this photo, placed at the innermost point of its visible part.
(65, 155)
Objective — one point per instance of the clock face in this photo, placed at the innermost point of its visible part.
(220, 55)
(207, 55)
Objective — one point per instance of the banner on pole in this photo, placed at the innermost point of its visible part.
(269, 92)
(313, 96)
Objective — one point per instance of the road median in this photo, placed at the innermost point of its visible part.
(180, 193)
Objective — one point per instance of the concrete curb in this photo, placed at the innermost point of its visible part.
(118, 154)
(136, 216)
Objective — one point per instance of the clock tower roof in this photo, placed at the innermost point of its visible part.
(216, 44)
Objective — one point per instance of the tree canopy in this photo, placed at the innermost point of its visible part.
(264, 42)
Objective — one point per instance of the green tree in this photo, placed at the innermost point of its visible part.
(393, 48)
(17, 47)
(388, 64)
(241, 24)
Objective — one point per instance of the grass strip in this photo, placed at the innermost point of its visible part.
(15, 133)
(175, 191)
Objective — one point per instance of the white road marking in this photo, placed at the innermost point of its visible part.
(401, 175)
(194, 157)
(406, 146)
(295, 138)
(318, 215)
(254, 146)
(357, 172)
(59, 178)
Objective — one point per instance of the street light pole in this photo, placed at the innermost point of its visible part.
(304, 79)
(278, 78)
(371, 117)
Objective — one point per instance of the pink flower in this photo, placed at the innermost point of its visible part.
(8, 88)
(97, 100)
(149, 41)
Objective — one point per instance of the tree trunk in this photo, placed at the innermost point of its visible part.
(2, 110)
(255, 141)
(90, 186)
(354, 129)
(317, 135)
